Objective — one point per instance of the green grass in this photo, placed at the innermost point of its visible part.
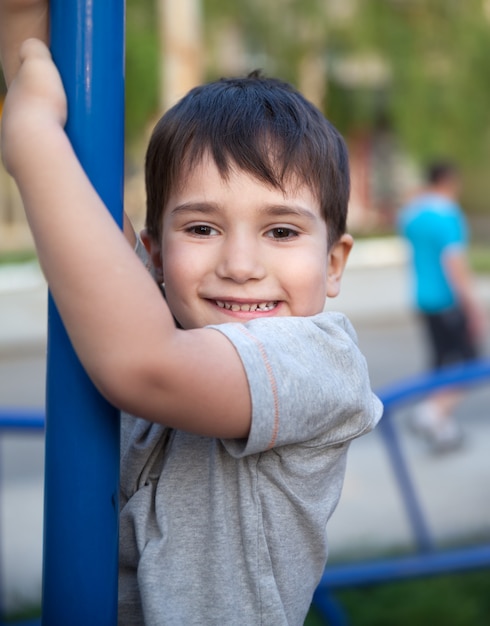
(17, 256)
(29, 613)
(452, 600)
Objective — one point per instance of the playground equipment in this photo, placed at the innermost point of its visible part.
(82, 429)
(427, 559)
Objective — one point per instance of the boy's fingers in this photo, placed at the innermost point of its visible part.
(34, 48)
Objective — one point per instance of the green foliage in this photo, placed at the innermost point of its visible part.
(436, 96)
(24, 615)
(17, 256)
(436, 99)
(439, 94)
(142, 59)
(276, 33)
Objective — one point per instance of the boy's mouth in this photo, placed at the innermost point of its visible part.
(247, 306)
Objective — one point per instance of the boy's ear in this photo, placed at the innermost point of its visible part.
(337, 259)
(155, 253)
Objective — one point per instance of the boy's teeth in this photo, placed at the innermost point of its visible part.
(234, 306)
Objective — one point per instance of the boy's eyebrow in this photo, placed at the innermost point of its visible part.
(274, 210)
(198, 207)
(283, 210)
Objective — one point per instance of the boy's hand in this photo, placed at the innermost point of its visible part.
(35, 102)
(20, 20)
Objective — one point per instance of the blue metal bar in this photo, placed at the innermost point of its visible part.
(455, 375)
(428, 561)
(400, 568)
(21, 419)
(82, 429)
(401, 392)
(413, 508)
(329, 607)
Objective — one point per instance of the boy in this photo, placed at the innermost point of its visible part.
(248, 400)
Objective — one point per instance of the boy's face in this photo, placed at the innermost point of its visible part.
(234, 250)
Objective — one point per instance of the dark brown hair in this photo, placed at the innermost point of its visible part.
(263, 127)
(441, 170)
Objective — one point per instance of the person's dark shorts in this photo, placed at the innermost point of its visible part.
(449, 337)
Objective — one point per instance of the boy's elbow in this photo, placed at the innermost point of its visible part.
(123, 382)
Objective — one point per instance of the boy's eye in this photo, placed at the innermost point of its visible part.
(282, 232)
(202, 229)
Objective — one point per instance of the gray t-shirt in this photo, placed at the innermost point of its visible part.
(233, 532)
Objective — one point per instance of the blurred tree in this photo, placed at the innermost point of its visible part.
(420, 66)
(142, 66)
(285, 38)
(415, 70)
(163, 57)
(181, 48)
(438, 96)
(395, 76)
(435, 83)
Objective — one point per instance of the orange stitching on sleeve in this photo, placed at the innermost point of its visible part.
(272, 382)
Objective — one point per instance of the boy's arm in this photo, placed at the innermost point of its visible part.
(120, 326)
(459, 274)
(19, 20)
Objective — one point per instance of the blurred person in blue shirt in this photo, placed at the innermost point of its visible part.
(435, 227)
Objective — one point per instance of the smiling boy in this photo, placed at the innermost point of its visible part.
(247, 393)
(235, 250)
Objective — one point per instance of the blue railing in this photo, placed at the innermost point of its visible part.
(16, 420)
(426, 559)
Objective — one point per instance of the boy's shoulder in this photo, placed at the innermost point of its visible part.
(324, 321)
(295, 335)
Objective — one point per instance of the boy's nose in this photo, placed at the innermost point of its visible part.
(240, 260)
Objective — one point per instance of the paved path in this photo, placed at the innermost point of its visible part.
(455, 488)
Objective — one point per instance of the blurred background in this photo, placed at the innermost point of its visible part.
(405, 81)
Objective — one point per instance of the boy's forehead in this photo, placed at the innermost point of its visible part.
(205, 170)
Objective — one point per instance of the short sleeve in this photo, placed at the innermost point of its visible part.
(308, 382)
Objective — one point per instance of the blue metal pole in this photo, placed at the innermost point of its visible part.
(82, 429)
(413, 507)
